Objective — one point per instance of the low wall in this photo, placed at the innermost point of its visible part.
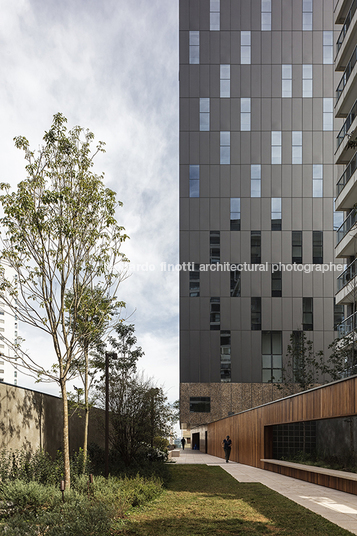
(30, 420)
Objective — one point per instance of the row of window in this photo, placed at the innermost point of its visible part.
(256, 245)
(255, 172)
(256, 314)
(246, 52)
(286, 84)
(235, 282)
(266, 9)
(245, 125)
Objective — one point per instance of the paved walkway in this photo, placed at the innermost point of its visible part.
(336, 506)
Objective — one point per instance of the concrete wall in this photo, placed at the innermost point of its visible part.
(32, 420)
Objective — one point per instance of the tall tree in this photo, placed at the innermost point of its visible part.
(61, 236)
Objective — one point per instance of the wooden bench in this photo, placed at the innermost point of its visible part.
(331, 478)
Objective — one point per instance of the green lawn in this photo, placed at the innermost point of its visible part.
(207, 501)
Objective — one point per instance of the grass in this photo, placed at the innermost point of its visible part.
(207, 501)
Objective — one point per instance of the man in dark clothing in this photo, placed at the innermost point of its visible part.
(227, 445)
(183, 443)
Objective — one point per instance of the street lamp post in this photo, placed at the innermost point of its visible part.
(108, 356)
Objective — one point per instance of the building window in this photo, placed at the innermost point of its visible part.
(235, 214)
(276, 282)
(307, 15)
(307, 314)
(327, 47)
(225, 81)
(194, 47)
(235, 283)
(195, 181)
(338, 316)
(215, 247)
(307, 80)
(266, 15)
(215, 22)
(317, 180)
(327, 114)
(255, 180)
(272, 358)
(256, 314)
(215, 314)
(204, 114)
(296, 149)
(194, 276)
(276, 213)
(317, 247)
(226, 375)
(296, 247)
(287, 81)
(276, 147)
(255, 247)
(225, 147)
(245, 49)
(245, 114)
(200, 404)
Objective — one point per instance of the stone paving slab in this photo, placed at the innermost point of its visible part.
(336, 506)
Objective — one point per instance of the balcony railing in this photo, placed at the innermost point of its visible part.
(347, 276)
(346, 25)
(347, 326)
(347, 174)
(346, 75)
(347, 225)
(347, 124)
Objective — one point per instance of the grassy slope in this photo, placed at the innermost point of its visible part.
(207, 501)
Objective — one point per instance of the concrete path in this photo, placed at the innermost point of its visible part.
(336, 506)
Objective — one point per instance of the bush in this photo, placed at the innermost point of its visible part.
(39, 466)
(30, 508)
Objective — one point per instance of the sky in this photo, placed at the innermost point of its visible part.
(110, 66)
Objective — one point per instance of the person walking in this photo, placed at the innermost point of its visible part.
(183, 443)
(227, 445)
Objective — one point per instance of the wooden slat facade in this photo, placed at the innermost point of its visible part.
(251, 431)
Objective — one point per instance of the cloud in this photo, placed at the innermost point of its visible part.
(112, 67)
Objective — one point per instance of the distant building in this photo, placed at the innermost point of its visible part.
(257, 140)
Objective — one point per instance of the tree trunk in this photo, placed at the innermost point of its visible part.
(67, 469)
(86, 408)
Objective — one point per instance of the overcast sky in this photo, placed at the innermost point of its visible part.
(110, 66)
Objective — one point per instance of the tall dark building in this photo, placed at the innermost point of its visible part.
(257, 195)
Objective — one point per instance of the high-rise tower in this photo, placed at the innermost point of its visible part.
(256, 195)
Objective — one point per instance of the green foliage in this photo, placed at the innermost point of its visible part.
(343, 357)
(139, 414)
(38, 466)
(89, 509)
(305, 368)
